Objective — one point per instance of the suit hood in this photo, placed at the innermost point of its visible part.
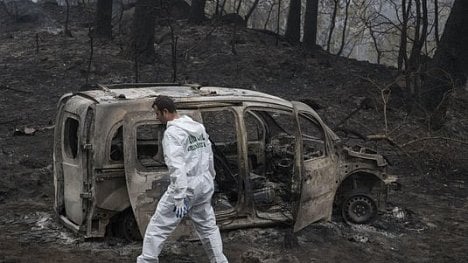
(187, 124)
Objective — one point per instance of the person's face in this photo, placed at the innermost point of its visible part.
(161, 115)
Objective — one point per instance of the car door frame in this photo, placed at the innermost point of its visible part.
(145, 186)
(73, 179)
(318, 176)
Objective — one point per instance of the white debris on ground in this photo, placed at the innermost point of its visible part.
(398, 213)
(66, 238)
(42, 220)
(359, 238)
(371, 230)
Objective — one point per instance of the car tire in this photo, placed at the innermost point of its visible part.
(358, 208)
(127, 227)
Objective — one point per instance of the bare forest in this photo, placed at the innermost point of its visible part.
(389, 75)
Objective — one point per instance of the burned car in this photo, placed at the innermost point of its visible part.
(276, 161)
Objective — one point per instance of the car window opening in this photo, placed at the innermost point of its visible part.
(70, 137)
(222, 129)
(271, 150)
(313, 138)
(116, 148)
(148, 140)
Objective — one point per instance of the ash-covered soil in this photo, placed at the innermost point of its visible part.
(425, 222)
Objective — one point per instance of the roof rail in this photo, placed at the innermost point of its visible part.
(137, 85)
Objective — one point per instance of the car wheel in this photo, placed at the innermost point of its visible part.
(127, 226)
(358, 208)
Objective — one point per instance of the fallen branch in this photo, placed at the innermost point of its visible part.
(382, 137)
(434, 138)
(9, 121)
(361, 106)
(348, 131)
(384, 94)
(13, 89)
(376, 137)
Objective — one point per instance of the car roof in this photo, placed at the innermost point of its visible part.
(179, 92)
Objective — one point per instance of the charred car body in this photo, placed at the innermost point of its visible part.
(276, 161)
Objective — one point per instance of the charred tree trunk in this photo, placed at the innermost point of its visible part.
(238, 6)
(436, 21)
(104, 19)
(374, 41)
(343, 35)
(415, 65)
(216, 13)
(420, 34)
(293, 27)
(452, 54)
(449, 68)
(310, 24)
(143, 31)
(402, 55)
(332, 24)
(251, 10)
(221, 9)
(197, 13)
(67, 31)
(278, 17)
(174, 39)
(267, 20)
(91, 53)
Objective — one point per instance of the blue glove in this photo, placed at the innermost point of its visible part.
(181, 207)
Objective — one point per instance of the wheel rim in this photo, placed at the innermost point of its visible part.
(359, 209)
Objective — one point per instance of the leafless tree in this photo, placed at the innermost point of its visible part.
(174, 40)
(450, 61)
(239, 4)
(371, 24)
(221, 9)
(166, 16)
(91, 54)
(420, 33)
(67, 31)
(293, 27)
(375, 41)
(267, 20)
(345, 25)
(104, 18)
(402, 51)
(234, 39)
(278, 17)
(436, 22)
(332, 23)
(310, 24)
(142, 42)
(197, 14)
(251, 10)
(217, 6)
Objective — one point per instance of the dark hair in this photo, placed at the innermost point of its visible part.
(164, 102)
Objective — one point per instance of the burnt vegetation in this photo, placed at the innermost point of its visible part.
(414, 113)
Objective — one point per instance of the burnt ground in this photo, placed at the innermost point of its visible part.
(425, 222)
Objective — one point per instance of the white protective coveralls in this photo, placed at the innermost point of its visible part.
(188, 155)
